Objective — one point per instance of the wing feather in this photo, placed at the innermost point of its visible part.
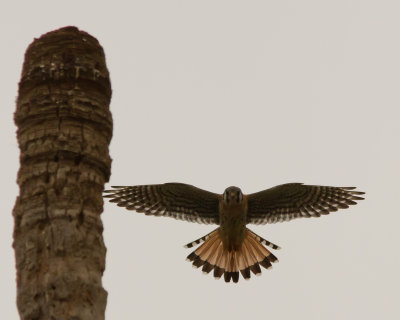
(178, 200)
(296, 200)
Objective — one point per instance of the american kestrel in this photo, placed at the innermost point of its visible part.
(232, 247)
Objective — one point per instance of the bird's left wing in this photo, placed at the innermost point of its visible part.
(296, 200)
(176, 200)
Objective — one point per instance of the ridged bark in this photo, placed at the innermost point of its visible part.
(64, 129)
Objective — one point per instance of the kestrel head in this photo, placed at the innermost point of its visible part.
(233, 195)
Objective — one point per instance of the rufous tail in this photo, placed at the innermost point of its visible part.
(212, 255)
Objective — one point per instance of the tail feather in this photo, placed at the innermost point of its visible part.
(263, 241)
(217, 253)
(209, 256)
(244, 263)
(262, 252)
(207, 267)
(198, 241)
(218, 272)
(245, 273)
(255, 268)
(204, 252)
(212, 255)
(227, 276)
(252, 258)
(220, 261)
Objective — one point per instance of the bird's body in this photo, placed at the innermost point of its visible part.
(233, 248)
(232, 219)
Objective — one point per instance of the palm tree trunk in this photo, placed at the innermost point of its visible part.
(64, 129)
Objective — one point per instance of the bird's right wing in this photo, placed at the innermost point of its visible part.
(296, 200)
(177, 200)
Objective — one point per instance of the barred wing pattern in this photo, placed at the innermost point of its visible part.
(177, 200)
(296, 200)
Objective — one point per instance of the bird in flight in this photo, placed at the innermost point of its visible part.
(232, 247)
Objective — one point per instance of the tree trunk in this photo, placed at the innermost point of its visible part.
(64, 129)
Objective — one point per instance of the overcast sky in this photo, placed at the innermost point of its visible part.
(246, 93)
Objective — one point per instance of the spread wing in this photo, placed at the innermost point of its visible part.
(296, 200)
(176, 200)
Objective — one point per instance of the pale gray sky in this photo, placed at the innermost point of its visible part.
(247, 93)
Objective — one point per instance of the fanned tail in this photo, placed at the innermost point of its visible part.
(212, 255)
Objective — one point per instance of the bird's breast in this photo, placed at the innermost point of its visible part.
(232, 219)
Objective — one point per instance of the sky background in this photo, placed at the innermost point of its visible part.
(246, 93)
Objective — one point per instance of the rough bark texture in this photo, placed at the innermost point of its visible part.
(64, 129)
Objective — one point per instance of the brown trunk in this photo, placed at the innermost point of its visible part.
(64, 129)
